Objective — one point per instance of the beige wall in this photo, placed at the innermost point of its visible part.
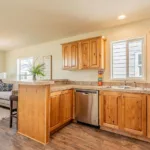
(2, 61)
(137, 29)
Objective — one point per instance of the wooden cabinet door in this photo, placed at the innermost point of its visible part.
(110, 109)
(95, 45)
(66, 106)
(134, 113)
(148, 116)
(74, 55)
(55, 120)
(84, 54)
(66, 56)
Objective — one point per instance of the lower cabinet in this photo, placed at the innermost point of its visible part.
(148, 116)
(134, 113)
(123, 111)
(109, 109)
(61, 108)
(66, 106)
(55, 113)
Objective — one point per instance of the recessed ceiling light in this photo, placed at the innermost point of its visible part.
(121, 17)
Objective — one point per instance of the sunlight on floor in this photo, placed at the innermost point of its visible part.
(4, 113)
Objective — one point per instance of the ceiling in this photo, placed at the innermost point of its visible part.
(29, 22)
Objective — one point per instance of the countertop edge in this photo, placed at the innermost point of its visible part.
(36, 83)
(67, 87)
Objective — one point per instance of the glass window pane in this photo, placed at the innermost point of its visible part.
(135, 58)
(119, 60)
(22, 68)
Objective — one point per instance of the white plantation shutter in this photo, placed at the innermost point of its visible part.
(119, 60)
(135, 57)
(127, 59)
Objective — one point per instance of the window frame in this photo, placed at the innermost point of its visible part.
(22, 58)
(138, 65)
(144, 58)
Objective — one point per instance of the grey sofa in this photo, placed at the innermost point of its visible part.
(5, 98)
(5, 95)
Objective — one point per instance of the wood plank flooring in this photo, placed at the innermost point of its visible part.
(72, 137)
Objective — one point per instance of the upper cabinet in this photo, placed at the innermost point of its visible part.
(95, 53)
(97, 50)
(66, 56)
(74, 55)
(70, 56)
(84, 54)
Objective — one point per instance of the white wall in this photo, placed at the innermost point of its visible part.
(137, 29)
(2, 61)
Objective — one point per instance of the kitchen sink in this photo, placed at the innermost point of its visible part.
(126, 88)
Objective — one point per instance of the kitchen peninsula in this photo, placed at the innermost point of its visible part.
(33, 110)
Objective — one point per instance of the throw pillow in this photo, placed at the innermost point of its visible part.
(7, 87)
(1, 86)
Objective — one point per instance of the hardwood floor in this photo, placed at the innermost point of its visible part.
(72, 137)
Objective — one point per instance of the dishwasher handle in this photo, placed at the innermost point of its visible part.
(85, 92)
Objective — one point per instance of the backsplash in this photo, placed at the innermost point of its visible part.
(60, 81)
(132, 84)
(82, 82)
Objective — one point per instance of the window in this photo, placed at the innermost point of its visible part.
(138, 64)
(127, 59)
(3, 75)
(22, 68)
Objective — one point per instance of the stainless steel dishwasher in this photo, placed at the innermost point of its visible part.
(87, 106)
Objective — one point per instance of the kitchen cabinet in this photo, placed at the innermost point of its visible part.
(97, 54)
(94, 53)
(84, 54)
(61, 108)
(97, 46)
(134, 113)
(66, 106)
(91, 53)
(70, 56)
(123, 111)
(55, 114)
(66, 56)
(148, 116)
(74, 55)
(110, 103)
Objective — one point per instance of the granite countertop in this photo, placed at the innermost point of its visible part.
(103, 88)
(36, 82)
